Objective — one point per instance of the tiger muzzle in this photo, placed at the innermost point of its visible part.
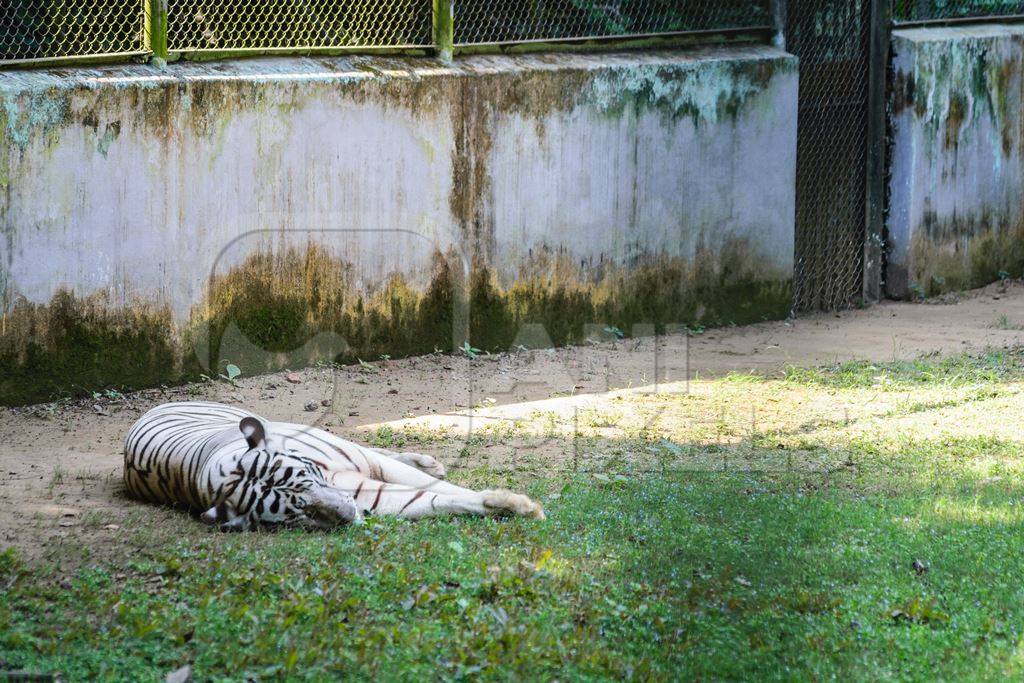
(329, 507)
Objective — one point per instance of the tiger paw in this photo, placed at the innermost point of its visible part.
(503, 502)
(427, 464)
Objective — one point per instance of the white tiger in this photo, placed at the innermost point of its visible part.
(241, 471)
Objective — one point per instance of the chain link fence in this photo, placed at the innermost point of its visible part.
(913, 11)
(56, 29)
(297, 25)
(831, 38)
(480, 22)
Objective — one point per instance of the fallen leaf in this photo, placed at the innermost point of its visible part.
(543, 559)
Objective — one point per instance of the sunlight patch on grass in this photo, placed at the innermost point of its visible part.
(1003, 365)
(961, 511)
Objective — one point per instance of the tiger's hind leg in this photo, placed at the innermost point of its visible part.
(385, 498)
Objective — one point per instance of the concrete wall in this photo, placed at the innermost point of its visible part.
(957, 185)
(157, 222)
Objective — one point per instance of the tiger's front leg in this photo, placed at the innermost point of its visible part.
(382, 498)
(427, 464)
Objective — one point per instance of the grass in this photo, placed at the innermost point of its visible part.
(1003, 323)
(959, 370)
(56, 478)
(862, 528)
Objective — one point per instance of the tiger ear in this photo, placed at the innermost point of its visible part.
(252, 430)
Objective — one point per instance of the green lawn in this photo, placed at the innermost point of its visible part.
(883, 542)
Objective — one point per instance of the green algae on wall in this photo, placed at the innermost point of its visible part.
(23, 118)
(164, 105)
(301, 306)
(31, 114)
(555, 291)
(955, 82)
(956, 258)
(74, 345)
(707, 94)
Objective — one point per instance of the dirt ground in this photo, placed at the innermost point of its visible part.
(60, 467)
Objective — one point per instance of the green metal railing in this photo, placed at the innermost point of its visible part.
(41, 32)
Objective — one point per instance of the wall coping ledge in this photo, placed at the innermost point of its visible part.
(355, 69)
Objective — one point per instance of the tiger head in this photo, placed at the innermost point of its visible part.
(268, 486)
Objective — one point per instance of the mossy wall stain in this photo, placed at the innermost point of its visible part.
(951, 83)
(707, 95)
(706, 91)
(964, 258)
(73, 345)
(24, 117)
(203, 98)
(29, 114)
(301, 306)
(471, 180)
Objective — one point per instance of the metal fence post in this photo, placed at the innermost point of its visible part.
(874, 252)
(444, 29)
(156, 11)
